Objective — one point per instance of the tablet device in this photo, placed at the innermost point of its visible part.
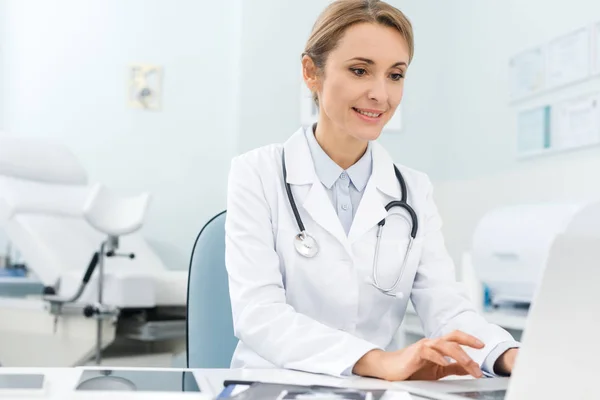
(137, 381)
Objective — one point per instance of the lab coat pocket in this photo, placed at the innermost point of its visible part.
(383, 310)
(394, 256)
(315, 286)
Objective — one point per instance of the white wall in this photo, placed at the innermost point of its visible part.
(484, 35)
(477, 169)
(273, 37)
(425, 110)
(2, 62)
(3, 239)
(66, 67)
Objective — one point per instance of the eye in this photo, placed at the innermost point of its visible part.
(358, 71)
(397, 77)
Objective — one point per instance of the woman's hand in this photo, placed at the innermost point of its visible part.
(506, 362)
(424, 360)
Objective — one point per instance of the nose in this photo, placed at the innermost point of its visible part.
(378, 91)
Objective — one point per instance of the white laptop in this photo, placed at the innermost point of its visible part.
(560, 353)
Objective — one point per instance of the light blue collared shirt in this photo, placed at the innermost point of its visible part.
(344, 187)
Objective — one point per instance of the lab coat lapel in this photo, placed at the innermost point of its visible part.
(318, 205)
(381, 188)
(316, 202)
(370, 211)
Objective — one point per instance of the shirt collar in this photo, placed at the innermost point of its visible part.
(360, 172)
(329, 172)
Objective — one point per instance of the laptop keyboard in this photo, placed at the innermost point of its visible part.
(485, 395)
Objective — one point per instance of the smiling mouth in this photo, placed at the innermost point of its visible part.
(369, 114)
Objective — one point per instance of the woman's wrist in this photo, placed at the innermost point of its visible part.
(370, 364)
(506, 362)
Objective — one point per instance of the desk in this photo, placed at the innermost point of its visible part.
(61, 382)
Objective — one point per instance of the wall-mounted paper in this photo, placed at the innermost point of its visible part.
(596, 50)
(533, 130)
(568, 58)
(527, 72)
(577, 123)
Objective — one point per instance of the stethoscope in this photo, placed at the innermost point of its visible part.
(307, 246)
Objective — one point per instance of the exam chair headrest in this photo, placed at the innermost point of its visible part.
(41, 160)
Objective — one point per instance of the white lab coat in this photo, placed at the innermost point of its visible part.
(320, 314)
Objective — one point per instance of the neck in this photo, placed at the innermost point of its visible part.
(342, 148)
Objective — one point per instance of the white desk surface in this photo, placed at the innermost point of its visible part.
(61, 382)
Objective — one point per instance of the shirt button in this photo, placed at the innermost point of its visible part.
(343, 176)
(344, 207)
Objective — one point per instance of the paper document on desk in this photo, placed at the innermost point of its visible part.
(393, 395)
(272, 391)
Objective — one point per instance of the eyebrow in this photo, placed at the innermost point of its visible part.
(371, 62)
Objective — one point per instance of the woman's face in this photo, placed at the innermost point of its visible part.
(363, 80)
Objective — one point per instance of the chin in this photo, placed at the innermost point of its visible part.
(371, 133)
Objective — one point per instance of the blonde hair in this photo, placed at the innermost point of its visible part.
(342, 14)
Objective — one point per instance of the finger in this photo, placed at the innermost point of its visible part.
(454, 369)
(454, 351)
(465, 339)
(435, 357)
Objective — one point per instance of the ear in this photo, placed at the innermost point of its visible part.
(309, 73)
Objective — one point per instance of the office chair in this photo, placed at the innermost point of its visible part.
(209, 328)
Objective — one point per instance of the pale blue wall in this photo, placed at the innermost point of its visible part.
(2, 62)
(66, 69)
(480, 138)
(273, 37)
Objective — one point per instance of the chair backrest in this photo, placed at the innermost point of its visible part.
(209, 331)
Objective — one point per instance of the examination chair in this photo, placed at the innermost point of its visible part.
(99, 282)
(209, 333)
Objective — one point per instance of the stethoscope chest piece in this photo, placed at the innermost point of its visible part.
(306, 245)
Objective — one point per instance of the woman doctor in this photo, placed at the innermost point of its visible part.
(326, 241)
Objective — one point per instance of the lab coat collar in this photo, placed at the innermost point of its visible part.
(382, 186)
(383, 172)
(314, 200)
(299, 164)
(301, 168)
(328, 171)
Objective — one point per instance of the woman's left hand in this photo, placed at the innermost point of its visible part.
(506, 362)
